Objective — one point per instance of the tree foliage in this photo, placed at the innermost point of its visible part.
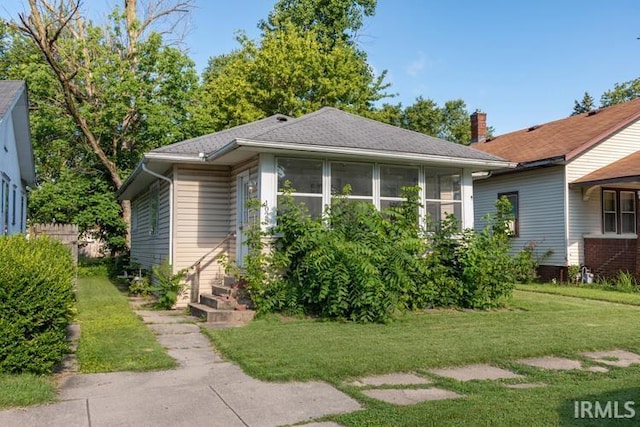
(451, 121)
(621, 92)
(331, 20)
(586, 104)
(103, 95)
(290, 71)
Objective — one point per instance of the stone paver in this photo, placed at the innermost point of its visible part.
(622, 358)
(475, 372)
(174, 328)
(391, 379)
(552, 363)
(411, 396)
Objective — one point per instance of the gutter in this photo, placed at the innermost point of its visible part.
(164, 178)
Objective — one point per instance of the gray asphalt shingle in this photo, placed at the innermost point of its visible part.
(9, 90)
(329, 127)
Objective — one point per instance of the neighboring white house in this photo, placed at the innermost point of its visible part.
(189, 198)
(575, 189)
(16, 156)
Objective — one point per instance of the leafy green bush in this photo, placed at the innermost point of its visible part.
(357, 263)
(167, 286)
(36, 303)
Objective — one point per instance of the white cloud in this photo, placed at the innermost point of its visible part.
(418, 65)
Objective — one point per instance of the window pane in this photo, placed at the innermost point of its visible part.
(437, 211)
(393, 178)
(609, 201)
(358, 176)
(610, 223)
(443, 184)
(389, 203)
(627, 201)
(305, 175)
(313, 204)
(628, 223)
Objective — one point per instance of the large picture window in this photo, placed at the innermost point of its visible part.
(305, 177)
(359, 176)
(618, 211)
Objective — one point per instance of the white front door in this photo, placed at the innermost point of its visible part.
(242, 217)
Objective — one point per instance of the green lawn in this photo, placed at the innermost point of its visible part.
(584, 292)
(112, 337)
(534, 324)
(25, 390)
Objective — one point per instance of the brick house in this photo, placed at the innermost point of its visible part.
(575, 189)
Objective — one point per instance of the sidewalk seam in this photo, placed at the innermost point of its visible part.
(88, 412)
(227, 405)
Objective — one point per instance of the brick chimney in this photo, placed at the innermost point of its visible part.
(478, 127)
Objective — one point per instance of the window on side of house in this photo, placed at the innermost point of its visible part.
(305, 178)
(154, 202)
(392, 179)
(4, 202)
(13, 206)
(514, 224)
(618, 211)
(443, 195)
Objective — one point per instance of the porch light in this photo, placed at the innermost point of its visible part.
(253, 187)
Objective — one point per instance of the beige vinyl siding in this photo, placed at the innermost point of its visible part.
(541, 208)
(585, 216)
(147, 248)
(202, 221)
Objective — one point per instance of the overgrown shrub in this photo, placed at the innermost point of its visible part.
(167, 286)
(360, 264)
(36, 303)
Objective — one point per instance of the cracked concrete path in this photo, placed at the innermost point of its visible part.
(204, 390)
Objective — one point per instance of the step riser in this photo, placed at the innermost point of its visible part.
(217, 302)
(221, 316)
(223, 291)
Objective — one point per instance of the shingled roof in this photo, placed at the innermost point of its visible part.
(328, 127)
(10, 90)
(565, 138)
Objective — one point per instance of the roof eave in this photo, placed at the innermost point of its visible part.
(287, 146)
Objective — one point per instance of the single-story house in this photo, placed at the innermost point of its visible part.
(575, 189)
(189, 198)
(17, 169)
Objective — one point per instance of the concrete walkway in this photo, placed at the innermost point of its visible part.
(203, 391)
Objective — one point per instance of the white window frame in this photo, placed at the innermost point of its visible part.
(376, 198)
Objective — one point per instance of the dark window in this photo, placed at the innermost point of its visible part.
(514, 225)
(618, 211)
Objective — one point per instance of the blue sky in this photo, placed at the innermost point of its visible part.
(523, 63)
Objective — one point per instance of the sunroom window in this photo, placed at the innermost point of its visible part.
(359, 176)
(392, 179)
(443, 195)
(305, 177)
(618, 211)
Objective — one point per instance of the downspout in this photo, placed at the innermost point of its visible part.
(157, 175)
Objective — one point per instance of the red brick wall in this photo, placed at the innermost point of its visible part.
(605, 257)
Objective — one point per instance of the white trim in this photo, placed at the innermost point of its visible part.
(268, 187)
(466, 188)
(444, 160)
(240, 206)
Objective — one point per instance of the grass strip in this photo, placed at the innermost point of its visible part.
(584, 292)
(112, 337)
(25, 390)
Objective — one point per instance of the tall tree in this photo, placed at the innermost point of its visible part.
(332, 20)
(585, 105)
(290, 71)
(119, 89)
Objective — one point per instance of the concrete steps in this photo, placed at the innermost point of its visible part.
(222, 307)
